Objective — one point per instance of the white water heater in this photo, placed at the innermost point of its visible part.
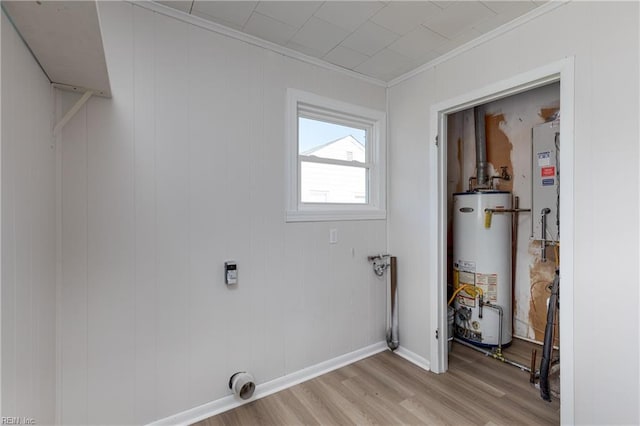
(482, 258)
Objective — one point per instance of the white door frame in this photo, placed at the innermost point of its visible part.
(562, 71)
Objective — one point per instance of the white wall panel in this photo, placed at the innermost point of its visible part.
(172, 210)
(409, 228)
(146, 271)
(28, 235)
(603, 38)
(207, 176)
(110, 243)
(73, 329)
(180, 171)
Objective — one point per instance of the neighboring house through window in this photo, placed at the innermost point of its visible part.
(341, 183)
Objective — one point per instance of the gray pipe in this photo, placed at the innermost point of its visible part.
(392, 334)
(481, 147)
(543, 242)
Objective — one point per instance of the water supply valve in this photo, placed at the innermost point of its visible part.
(380, 263)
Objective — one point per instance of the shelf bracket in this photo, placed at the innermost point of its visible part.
(72, 111)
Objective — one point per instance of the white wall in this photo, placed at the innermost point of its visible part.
(603, 37)
(183, 169)
(28, 235)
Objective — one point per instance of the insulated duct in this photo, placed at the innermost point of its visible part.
(481, 147)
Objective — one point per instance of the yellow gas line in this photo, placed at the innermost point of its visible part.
(471, 290)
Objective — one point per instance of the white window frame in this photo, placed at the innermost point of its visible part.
(321, 108)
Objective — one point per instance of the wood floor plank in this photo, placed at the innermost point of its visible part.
(324, 410)
(376, 396)
(477, 406)
(376, 383)
(372, 413)
(519, 394)
(480, 384)
(348, 405)
(292, 411)
(430, 416)
(386, 389)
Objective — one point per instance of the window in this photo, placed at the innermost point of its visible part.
(336, 160)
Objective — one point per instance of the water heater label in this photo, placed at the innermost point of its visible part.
(465, 300)
(548, 171)
(544, 158)
(465, 277)
(466, 274)
(465, 265)
(489, 285)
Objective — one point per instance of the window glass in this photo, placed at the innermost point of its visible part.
(323, 139)
(330, 183)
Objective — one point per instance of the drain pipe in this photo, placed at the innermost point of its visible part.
(392, 334)
(481, 147)
(381, 263)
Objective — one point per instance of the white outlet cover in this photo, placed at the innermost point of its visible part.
(333, 236)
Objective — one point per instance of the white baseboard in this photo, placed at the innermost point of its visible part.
(264, 389)
(413, 358)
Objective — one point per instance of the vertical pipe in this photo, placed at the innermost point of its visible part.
(543, 243)
(481, 147)
(514, 255)
(392, 334)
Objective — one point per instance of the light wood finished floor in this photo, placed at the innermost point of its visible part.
(520, 351)
(387, 390)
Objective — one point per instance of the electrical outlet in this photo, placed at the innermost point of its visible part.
(333, 236)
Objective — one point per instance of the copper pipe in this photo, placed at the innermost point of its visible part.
(532, 372)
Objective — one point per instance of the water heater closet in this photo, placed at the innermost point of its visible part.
(481, 303)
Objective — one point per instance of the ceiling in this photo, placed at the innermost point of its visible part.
(380, 39)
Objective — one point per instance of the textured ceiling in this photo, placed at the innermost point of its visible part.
(380, 39)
